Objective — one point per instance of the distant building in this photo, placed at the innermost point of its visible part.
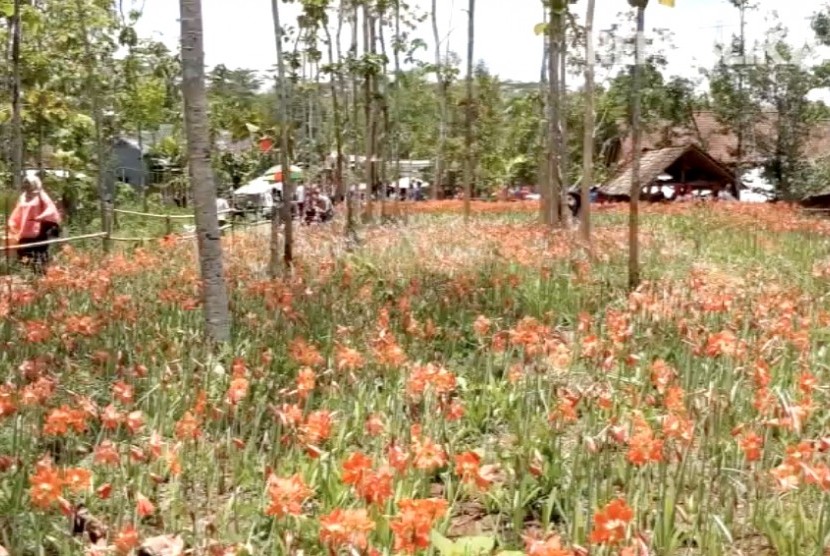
(131, 164)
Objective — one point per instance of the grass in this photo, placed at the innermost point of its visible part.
(448, 387)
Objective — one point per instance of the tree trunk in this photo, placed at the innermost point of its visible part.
(739, 154)
(352, 196)
(442, 99)
(16, 123)
(214, 292)
(105, 197)
(634, 211)
(396, 117)
(285, 159)
(554, 129)
(543, 178)
(369, 114)
(588, 137)
(563, 120)
(468, 131)
(383, 139)
(334, 80)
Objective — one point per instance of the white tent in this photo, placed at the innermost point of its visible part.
(256, 193)
(411, 183)
(257, 186)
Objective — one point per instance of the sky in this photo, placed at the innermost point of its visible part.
(239, 33)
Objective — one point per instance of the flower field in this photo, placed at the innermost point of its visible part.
(446, 388)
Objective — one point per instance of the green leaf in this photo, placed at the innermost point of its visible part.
(540, 29)
(444, 545)
(475, 546)
(6, 8)
(511, 553)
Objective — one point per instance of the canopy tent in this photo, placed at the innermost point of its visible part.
(411, 183)
(275, 173)
(256, 186)
(255, 193)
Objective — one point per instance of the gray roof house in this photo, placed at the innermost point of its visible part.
(129, 161)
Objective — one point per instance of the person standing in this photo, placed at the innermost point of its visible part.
(35, 219)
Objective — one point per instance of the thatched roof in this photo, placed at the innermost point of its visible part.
(817, 199)
(659, 161)
(721, 143)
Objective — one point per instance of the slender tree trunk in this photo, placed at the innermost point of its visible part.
(634, 211)
(588, 137)
(105, 197)
(563, 119)
(543, 178)
(383, 140)
(468, 131)
(352, 196)
(214, 292)
(334, 80)
(369, 115)
(442, 99)
(739, 154)
(16, 123)
(397, 100)
(555, 140)
(285, 159)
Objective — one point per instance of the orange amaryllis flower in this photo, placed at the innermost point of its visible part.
(111, 418)
(60, 420)
(348, 359)
(46, 487)
(306, 380)
(317, 427)
(375, 425)
(305, 354)
(237, 390)
(77, 479)
(355, 468)
(376, 486)
(610, 522)
(104, 491)
(106, 453)
(188, 427)
(346, 529)
(551, 546)
(468, 467)
(751, 444)
(143, 506)
(287, 495)
(125, 540)
(428, 455)
(414, 522)
(135, 421)
(123, 392)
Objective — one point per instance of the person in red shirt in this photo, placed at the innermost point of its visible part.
(35, 219)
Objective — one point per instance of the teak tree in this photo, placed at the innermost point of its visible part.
(285, 159)
(443, 83)
(214, 290)
(469, 112)
(636, 187)
(588, 132)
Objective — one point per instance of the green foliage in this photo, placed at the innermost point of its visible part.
(767, 101)
(466, 546)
